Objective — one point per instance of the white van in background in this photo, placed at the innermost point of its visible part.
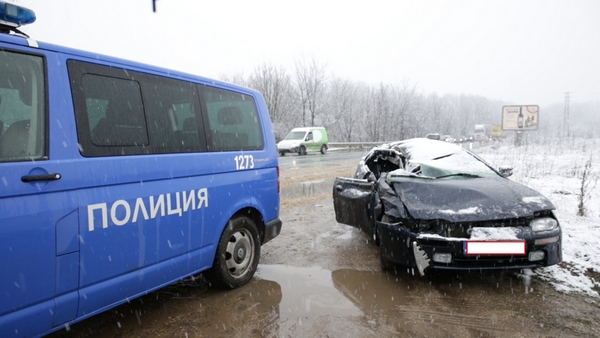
(304, 140)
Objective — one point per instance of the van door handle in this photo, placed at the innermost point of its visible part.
(35, 178)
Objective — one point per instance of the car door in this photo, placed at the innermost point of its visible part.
(354, 201)
(309, 141)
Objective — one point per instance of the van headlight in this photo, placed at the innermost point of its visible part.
(543, 224)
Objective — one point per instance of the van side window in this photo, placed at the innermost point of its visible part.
(173, 113)
(115, 112)
(122, 112)
(22, 107)
(233, 121)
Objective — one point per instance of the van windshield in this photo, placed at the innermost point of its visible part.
(295, 135)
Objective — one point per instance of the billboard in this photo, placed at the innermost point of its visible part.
(520, 117)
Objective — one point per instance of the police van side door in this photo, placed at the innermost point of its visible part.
(354, 202)
(38, 215)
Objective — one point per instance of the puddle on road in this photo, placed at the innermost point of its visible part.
(282, 298)
(308, 301)
(307, 292)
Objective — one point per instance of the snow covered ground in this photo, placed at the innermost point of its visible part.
(555, 168)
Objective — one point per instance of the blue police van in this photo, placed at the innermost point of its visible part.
(118, 178)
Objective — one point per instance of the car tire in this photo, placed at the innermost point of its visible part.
(237, 255)
(302, 151)
(324, 149)
(282, 153)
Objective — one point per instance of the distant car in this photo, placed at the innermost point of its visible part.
(434, 136)
(481, 138)
(448, 138)
(436, 206)
(467, 138)
(303, 141)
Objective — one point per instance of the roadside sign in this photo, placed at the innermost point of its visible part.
(520, 117)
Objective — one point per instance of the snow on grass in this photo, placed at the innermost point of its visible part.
(554, 167)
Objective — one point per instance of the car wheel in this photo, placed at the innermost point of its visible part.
(323, 149)
(282, 153)
(237, 255)
(302, 151)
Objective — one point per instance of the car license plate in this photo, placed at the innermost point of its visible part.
(495, 247)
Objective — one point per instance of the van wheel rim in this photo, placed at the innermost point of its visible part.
(239, 253)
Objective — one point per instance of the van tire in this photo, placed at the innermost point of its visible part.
(302, 151)
(239, 238)
(323, 149)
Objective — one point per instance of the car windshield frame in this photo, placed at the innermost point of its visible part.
(424, 160)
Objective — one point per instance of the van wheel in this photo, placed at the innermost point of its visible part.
(302, 150)
(323, 149)
(237, 255)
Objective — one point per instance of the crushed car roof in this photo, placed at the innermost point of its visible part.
(461, 198)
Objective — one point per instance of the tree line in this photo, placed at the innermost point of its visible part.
(351, 111)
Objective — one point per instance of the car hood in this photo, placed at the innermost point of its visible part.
(467, 200)
(289, 143)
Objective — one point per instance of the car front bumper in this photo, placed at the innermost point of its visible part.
(294, 149)
(401, 246)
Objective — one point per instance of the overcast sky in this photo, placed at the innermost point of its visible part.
(522, 52)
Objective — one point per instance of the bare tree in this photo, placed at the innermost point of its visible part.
(402, 108)
(344, 109)
(589, 180)
(237, 78)
(274, 84)
(311, 81)
(371, 116)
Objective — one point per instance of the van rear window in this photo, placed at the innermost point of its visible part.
(233, 121)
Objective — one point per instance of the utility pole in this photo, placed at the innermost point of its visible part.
(566, 116)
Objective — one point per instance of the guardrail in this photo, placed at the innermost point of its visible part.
(369, 145)
(360, 145)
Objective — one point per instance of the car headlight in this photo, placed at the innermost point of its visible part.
(543, 224)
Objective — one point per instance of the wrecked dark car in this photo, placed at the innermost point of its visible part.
(432, 205)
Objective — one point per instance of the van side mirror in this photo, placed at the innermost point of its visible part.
(505, 170)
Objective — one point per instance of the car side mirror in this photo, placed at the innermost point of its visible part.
(505, 170)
